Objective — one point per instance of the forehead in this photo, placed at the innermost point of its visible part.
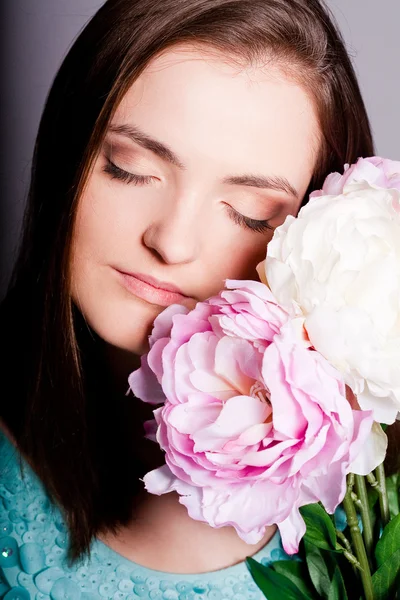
(225, 116)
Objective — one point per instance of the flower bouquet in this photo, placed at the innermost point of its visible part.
(273, 396)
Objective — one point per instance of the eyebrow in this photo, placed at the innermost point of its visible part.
(161, 150)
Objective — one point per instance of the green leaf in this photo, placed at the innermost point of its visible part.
(273, 585)
(337, 591)
(386, 580)
(393, 492)
(296, 571)
(319, 565)
(389, 542)
(320, 529)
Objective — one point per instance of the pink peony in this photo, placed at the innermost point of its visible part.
(374, 170)
(254, 423)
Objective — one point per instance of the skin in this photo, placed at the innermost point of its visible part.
(221, 120)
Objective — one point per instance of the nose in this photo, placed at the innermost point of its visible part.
(175, 232)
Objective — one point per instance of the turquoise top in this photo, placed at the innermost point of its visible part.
(33, 543)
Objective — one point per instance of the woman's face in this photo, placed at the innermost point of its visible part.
(214, 148)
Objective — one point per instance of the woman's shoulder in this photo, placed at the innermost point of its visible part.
(30, 525)
(18, 483)
(8, 451)
(5, 433)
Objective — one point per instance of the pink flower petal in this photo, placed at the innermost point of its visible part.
(255, 434)
(238, 414)
(268, 456)
(192, 416)
(144, 384)
(163, 322)
(237, 362)
(150, 428)
(292, 529)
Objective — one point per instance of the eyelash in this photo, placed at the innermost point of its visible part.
(117, 173)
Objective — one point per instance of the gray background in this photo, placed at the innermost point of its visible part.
(37, 33)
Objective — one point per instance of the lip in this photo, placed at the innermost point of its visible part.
(152, 290)
(161, 285)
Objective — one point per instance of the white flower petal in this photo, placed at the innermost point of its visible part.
(373, 452)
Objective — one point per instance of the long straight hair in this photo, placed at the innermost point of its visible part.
(60, 411)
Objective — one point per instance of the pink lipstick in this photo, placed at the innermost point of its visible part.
(152, 290)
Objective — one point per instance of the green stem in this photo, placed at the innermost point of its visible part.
(372, 480)
(356, 536)
(361, 490)
(383, 498)
(347, 550)
(351, 558)
(343, 539)
(355, 499)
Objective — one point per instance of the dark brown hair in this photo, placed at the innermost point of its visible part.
(60, 411)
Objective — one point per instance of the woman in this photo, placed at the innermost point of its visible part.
(176, 136)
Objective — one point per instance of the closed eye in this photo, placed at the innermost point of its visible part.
(259, 226)
(117, 173)
(253, 224)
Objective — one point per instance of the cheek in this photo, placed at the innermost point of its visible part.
(235, 259)
(245, 260)
(109, 221)
(106, 234)
(251, 249)
(96, 223)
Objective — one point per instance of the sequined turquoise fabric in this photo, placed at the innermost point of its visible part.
(34, 539)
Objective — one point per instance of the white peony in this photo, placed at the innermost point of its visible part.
(338, 263)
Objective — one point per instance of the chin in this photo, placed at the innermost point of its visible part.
(129, 330)
(124, 323)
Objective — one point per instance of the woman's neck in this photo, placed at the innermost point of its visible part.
(162, 536)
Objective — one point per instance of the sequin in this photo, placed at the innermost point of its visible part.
(21, 527)
(186, 596)
(106, 589)
(137, 577)
(14, 516)
(5, 528)
(65, 589)
(126, 586)
(62, 540)
(141, 589)
(152, 583)
(17, 593)
(24, 579)
(82, 573)
(165, 584)
(199, 587)
(214, 595)
(239, 597)
(8, 552)
(123, 571)
(45, 579)
(170, 594)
